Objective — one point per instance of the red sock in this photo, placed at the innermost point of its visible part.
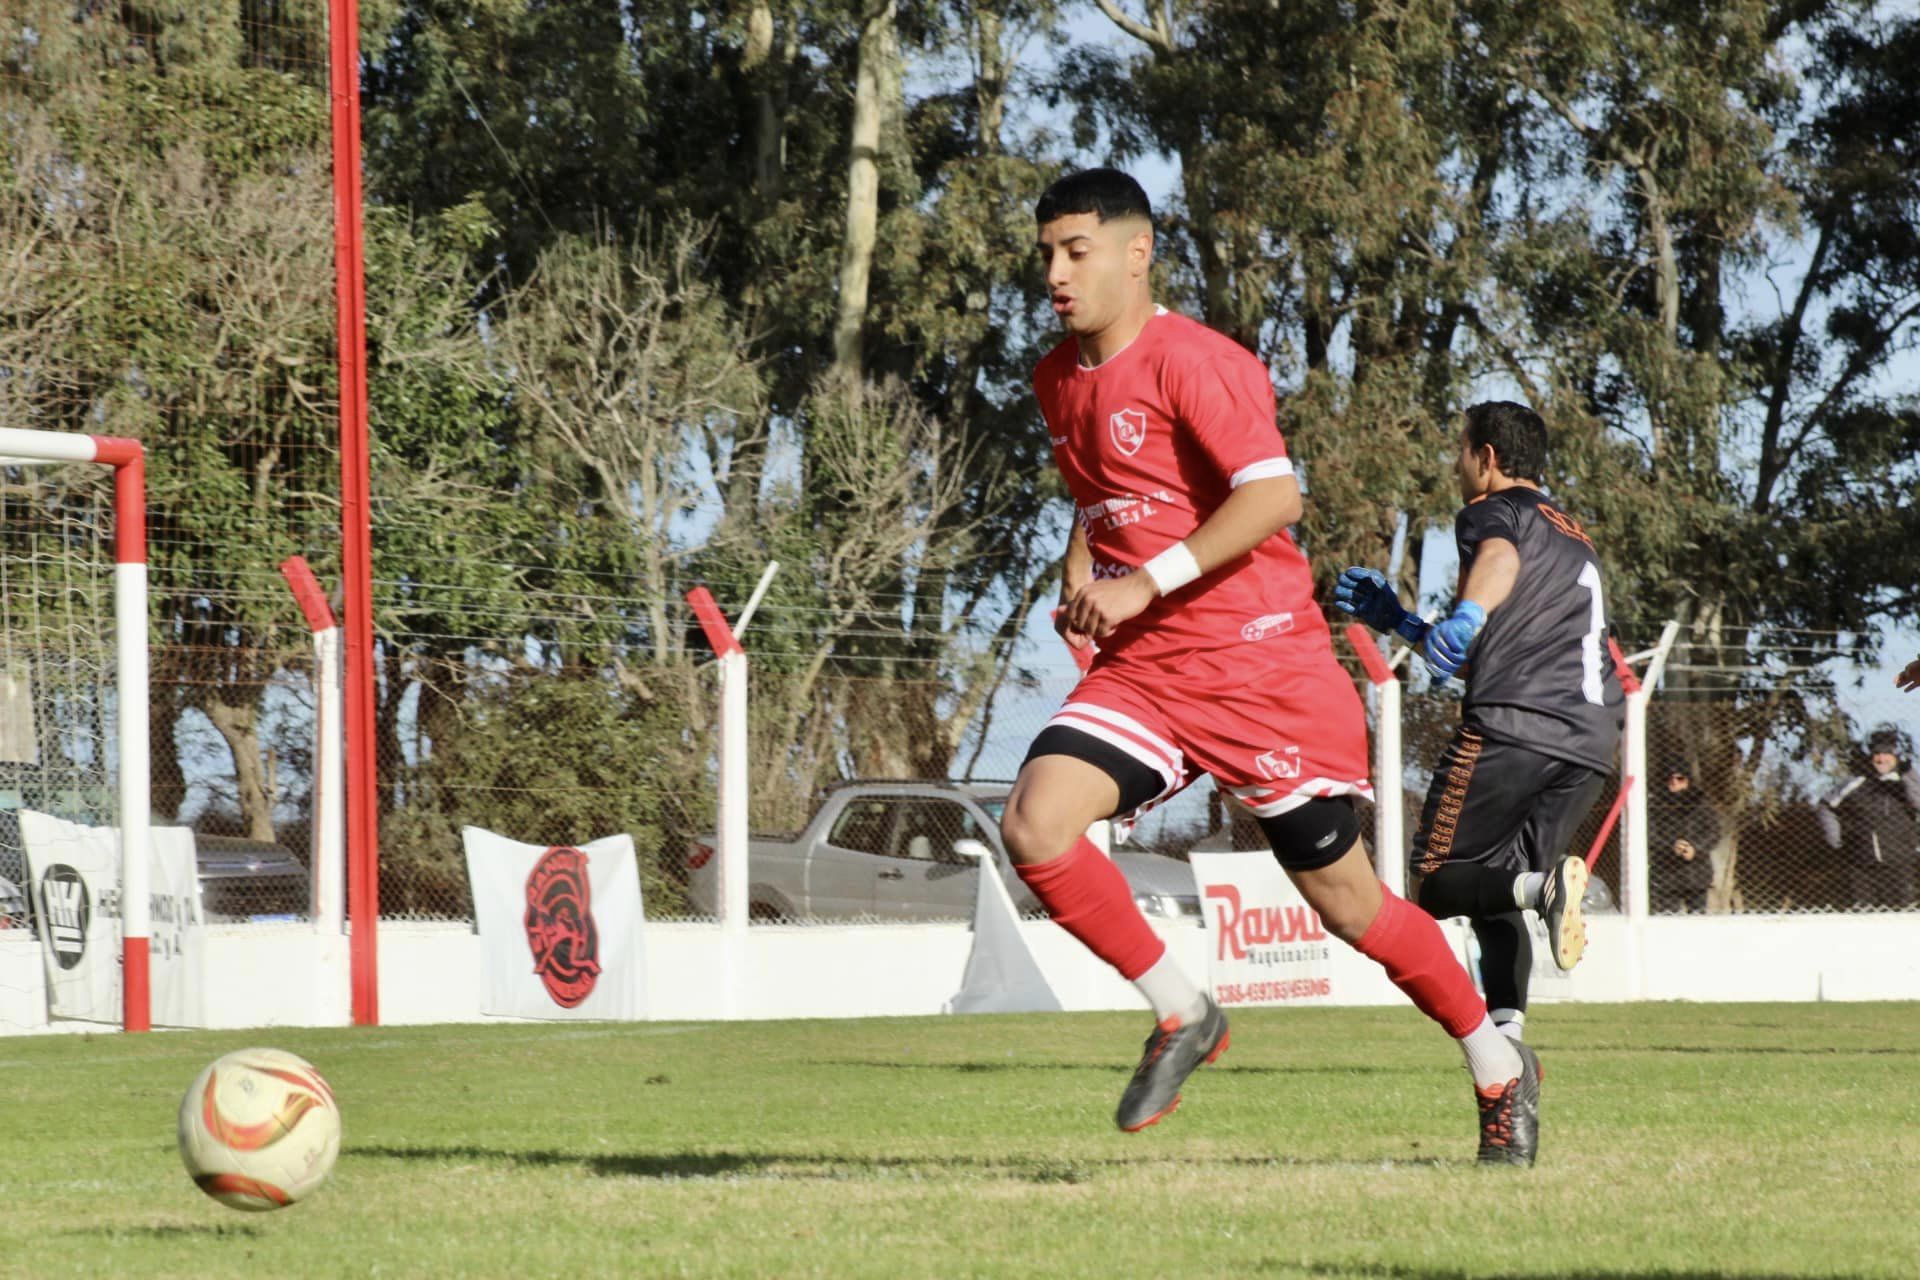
(1409, 945)
(1088, 897)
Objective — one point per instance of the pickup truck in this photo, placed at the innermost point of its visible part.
(885, 851)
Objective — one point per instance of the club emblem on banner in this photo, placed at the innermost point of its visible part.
(1129, 427)
(69, 909)
(560, 927)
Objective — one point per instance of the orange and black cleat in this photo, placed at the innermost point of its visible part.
(1510, 1115)
(1173, 1053)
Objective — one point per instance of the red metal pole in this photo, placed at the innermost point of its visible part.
(356, 531)
(1613, 816)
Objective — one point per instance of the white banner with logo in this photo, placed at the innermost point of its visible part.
(1265, 945)
(560, 927)
(174, 956)
(74, 875)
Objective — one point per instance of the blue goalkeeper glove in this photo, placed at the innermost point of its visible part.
(1448, 641)
(1364, 593)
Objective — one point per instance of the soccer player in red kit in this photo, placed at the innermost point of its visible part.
(1213, 658)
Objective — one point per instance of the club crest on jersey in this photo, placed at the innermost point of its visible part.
(1276, 766)
(1129, 428)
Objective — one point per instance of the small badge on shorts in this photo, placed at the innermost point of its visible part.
(1267, 626)
(1276, 765)
(1129, 427)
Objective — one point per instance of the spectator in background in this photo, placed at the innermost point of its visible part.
(1874, 821)
(1682, 831)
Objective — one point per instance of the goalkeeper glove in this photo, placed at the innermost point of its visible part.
(1448, 640)
(1364, 593)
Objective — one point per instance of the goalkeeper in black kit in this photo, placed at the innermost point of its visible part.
(1542, 714)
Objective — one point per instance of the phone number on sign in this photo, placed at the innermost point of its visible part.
(1256, 992)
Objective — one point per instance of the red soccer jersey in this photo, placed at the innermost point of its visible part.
(1151, 443)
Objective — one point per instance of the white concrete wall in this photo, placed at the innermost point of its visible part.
(276, 975)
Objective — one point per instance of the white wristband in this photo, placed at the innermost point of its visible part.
(1173, 568)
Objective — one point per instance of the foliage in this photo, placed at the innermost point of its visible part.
(553, 756)
(605, 247)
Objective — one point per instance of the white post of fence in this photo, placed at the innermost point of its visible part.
(1633, 832)
(730, 828)
(1633, 840)
(329, 788)
(1389, 836)
(1389, 805)
(328, 879)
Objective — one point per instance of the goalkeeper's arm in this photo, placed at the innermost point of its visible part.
(1496, 567)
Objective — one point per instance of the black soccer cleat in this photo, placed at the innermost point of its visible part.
(1510, 1115)
(1173, 1053)
(1560, 911)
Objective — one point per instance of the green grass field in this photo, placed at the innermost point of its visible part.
(1680, 1141)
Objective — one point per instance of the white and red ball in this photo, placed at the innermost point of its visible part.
(259, 1129)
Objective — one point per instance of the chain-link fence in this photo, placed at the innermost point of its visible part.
(1776, 804)
(168, 276)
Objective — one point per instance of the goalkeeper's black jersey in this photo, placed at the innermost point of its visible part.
(1540, 674)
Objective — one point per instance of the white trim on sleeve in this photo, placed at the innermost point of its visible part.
(1265, 469)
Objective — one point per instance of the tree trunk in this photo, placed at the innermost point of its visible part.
(166, 780)
(239, 724)
(1667, 300)
(879, 48)
(768, 133)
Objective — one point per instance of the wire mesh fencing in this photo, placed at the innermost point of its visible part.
(166, 210)
(563, 754)
(1755, 805)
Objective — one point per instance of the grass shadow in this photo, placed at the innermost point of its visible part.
(1409, 1271)
(1797, 1051)
(671, 1166)
(1225, 1067)
(168, 1231)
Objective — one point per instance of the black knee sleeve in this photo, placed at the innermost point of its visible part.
(1506, 959)
(1313, 835)
(1466, 889)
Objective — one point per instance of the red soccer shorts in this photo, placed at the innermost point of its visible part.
(1276, 729)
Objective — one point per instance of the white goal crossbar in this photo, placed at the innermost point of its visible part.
(128, 461)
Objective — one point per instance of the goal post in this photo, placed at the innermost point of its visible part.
(132, 817)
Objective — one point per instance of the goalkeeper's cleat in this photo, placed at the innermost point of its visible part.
(1173, 1053)
(1560, 911)
(1510, 1114)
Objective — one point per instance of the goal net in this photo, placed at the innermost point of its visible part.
(73, 725)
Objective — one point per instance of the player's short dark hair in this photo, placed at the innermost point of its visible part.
(1105, 193)
(1518, 437)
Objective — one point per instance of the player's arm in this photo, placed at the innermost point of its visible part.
(1496, 567)
(1490, 579)
(1076, 571)
(1909, 679)
(1252, 513)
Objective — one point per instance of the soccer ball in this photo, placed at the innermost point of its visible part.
(259, 1129)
